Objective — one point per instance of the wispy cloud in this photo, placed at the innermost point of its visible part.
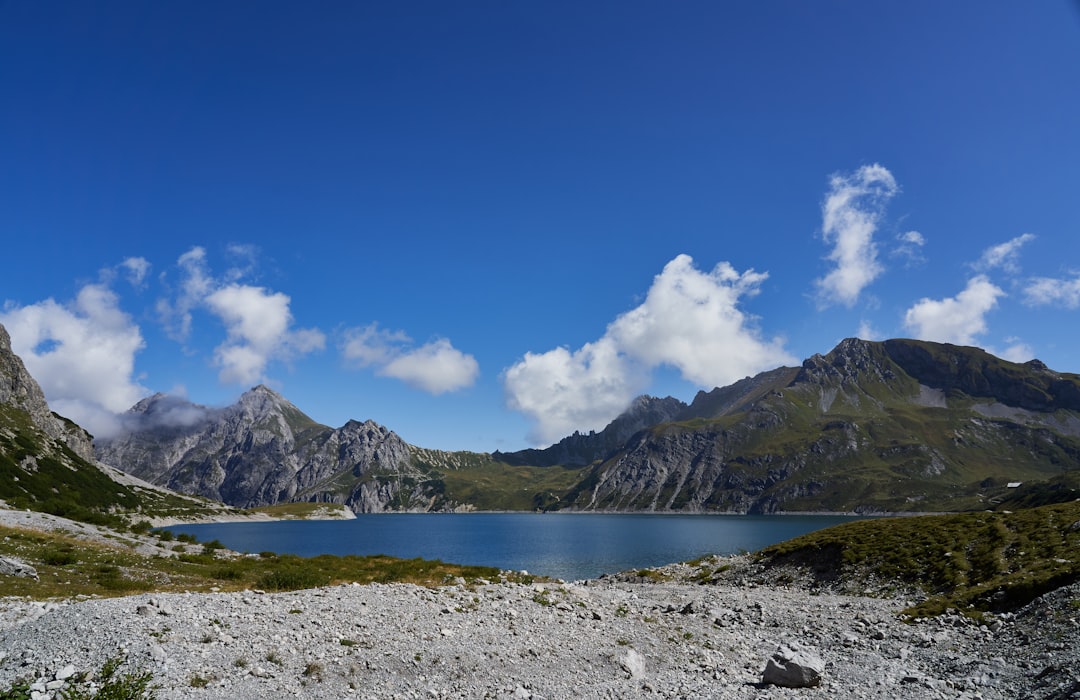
(1004, 256)
(82, 353)
(436, 367)
(258, 322)
(137, 269)
(850, 215)
(956, 319)
(195, 285)
(1050, 291)
(867, 331)
(909, 248)
(689, 320)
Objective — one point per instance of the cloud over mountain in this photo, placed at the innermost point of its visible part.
(81, 352)
(690, 320)
(956, 319)
(850, 215)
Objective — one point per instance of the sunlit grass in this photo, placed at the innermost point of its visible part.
(973, 562)
(68, 568)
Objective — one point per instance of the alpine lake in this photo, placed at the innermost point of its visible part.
(567, 546)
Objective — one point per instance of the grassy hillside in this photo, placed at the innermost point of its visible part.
(485, 483)
(900, 426)
(41, 474)
(984, 561)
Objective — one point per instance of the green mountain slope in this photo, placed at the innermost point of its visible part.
(870, 427)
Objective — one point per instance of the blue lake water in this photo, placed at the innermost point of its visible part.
(569, 546)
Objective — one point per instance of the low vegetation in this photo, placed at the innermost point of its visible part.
(108, 684)
(494, 485)
(973, 562)
(68, 568)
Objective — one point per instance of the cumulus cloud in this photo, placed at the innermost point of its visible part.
(850, 216)
(1049, 291)
(1005, 256)
(258, 326)
(82, 353)
(689, 320)
(563, 391)
(955, 319)
(436, 367)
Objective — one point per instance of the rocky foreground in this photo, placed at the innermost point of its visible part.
(617, 637)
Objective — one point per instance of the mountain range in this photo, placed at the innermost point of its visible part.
(892, 426)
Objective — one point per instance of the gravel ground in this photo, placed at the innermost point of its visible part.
(594, 639)
(615, 637)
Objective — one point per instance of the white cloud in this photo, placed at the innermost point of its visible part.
(258, 326)
(563, 391)
(1017, 351)
(258, 322)
(910, 248)
(689, 320)
(956, 319)
(195, 286)
(850, 216)
(1047, 291)
(81, 353)
(436, 367)
(137, 270)
(1005, 255)
(867, 331)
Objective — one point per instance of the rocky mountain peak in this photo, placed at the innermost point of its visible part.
(853, 360)
(20, 390)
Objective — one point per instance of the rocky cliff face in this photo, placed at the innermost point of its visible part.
(263, 450)
(870, 427)
(19, 390)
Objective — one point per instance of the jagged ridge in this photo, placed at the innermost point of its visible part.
(263, 450)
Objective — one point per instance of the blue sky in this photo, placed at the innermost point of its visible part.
(488, 224)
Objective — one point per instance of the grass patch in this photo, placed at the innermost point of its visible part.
(985, 561)
(69, 567)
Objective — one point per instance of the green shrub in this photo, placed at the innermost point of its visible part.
(59, 556)
(292, 579)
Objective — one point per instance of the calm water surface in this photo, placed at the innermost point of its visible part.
(569, 546)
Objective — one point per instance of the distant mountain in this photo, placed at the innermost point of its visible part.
(580, 450)
(263, 450)
(899, 425)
